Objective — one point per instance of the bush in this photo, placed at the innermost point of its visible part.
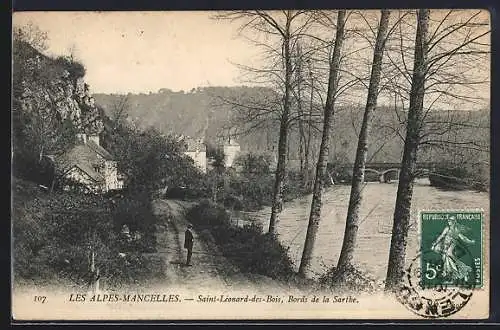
(74, 68)
(207, 214)
(250, 192)
(247, 247)
(463, 176)
(133, 268)
(350, 280)
(186, 193)
(234, 202)
(340, 173)
(294, 187)
(51, 242)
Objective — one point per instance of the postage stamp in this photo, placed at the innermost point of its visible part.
(451, 246)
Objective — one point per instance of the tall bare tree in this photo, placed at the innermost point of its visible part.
(329, 110)
(352, 221)
(307, 110)
(449, 49)
(285, 27)
(408, 166)
(303, 152)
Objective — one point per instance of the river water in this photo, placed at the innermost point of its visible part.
(374, 235)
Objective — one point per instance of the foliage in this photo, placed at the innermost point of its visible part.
(294, 186)
(248, 189)
(351, 280)
(150, 160)
(53, 235)
(254, 164)
(254, 191)
(247, 247)
(32, 35)
(136, 212)
(216, 153)
(464, 176)
(75, 69)
(251, 188)
(187, 193)
(188, 113)
(40, 103)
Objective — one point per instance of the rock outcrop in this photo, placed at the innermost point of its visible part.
(55, 89)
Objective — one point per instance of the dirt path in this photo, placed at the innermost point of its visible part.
(210, 269)
(170, 237)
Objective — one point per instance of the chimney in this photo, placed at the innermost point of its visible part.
(81, 137)
(94, 138)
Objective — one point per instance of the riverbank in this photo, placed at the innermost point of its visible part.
(254, 251)
(453, 183)
(212, 266)
(376, 215)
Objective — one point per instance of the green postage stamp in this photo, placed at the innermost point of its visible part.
(451, 249)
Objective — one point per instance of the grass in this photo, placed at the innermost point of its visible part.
(247, 247)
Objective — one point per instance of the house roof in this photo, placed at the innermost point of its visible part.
(79, 154)
(100, 150)
(89, 171)
(231, 143)
(194, 144)
(84, 157)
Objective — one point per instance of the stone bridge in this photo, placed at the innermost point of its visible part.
(390, 171)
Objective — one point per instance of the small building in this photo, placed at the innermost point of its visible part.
(197, 151)
(231, 152)
(89, 166)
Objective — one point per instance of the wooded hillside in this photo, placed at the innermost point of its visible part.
(203, 112)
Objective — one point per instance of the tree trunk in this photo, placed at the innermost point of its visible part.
(315, 214)
(307, 151)
(214, 189)
(279, 182)
(300, 112)
(301, 151)
(408, 166)
(277, 204)
(40, 154)
(52, 184)
(352, 220)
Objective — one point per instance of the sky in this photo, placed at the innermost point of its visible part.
(142, 52)
(145, 51)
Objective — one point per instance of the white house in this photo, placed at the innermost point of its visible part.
(197, 151)
(90, 165)
(231, 151)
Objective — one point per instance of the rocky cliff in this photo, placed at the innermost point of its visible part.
(53, 89)
(51, 104)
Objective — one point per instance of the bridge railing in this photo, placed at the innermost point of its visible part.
(381, 165)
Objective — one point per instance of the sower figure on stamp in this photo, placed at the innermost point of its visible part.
(450, 238)
(188, 243)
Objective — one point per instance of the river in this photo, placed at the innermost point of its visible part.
(374, 235)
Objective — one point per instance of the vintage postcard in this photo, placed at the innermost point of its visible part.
(251, 165)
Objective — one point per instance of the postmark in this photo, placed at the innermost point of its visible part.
(441, 278)
(436, 302)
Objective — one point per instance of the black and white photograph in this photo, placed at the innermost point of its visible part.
(251, 164)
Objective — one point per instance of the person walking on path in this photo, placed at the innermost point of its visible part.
(188, 243)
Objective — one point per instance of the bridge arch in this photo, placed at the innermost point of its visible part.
(372, 171)
(384, 174)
